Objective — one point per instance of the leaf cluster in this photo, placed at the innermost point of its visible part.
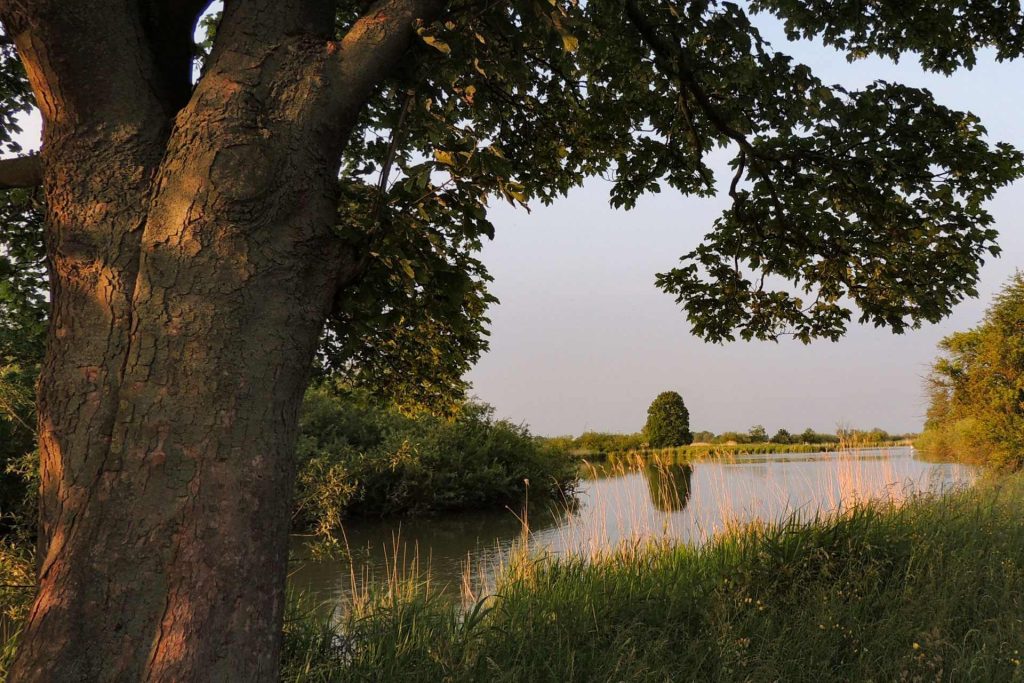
(870, 199)
(15, 95)
(945, 35)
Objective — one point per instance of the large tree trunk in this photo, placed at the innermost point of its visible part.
(193, 264)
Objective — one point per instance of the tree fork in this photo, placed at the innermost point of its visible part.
(193, 268)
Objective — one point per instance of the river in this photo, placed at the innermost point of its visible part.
(618, 502)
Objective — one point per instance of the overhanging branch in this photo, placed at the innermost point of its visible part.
(21, 172)
(376, 44)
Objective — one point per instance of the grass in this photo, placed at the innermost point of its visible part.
(932, 589)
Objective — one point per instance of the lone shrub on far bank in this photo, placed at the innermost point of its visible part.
(668, 422)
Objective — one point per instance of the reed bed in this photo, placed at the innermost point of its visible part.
(714, 450)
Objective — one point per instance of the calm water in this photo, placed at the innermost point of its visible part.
(621, 502)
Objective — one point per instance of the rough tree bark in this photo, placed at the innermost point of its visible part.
(192, 266)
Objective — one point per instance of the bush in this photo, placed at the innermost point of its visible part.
(17, 590)
(358, 457)
(18, 460)
(731, 437)
(961, 440)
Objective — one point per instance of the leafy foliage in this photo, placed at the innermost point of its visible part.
(18, 458)
(15, 95)
(870, 199)
(976, 388)
(828, 184)
(358, 456)
(597, 443)
(22, 329)
(946, 35)
(23, 280)
(668, 421)
(414, 321)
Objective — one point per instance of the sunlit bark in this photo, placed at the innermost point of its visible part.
(193, 264)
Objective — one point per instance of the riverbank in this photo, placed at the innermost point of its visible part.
(933, 589)
(706, 450)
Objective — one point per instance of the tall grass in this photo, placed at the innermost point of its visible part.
(926, 589)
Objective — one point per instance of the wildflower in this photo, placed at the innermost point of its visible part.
(916, 646)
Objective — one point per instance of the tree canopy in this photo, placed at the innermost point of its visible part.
(945, 36)
(976, 388)
(668, 422)
(866, 199)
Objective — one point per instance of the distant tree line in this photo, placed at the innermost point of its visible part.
(605, 442)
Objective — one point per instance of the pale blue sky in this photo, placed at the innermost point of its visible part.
(583, 340)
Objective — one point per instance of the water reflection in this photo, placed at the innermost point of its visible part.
(621, 502)
(668, 484)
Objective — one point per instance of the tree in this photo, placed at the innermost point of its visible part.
(976, 388)
(782, 436)
(758, 434)
(668, 421)
(211, 209)
(703, 436)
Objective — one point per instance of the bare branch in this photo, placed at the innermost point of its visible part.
(18, 172)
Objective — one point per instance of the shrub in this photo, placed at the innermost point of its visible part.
(358, 457)
(18, 460)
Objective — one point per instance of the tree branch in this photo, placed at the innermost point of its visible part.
(169, 28)
(385, 171)
(20, 172)
(376, 43)
(672, 54)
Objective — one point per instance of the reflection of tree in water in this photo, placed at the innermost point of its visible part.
(669, 484)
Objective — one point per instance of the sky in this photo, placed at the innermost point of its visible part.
(583, 340)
